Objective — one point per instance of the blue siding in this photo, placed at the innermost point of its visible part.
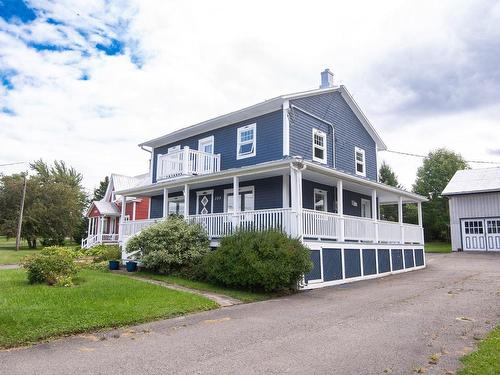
(408, 258)
(332, 264)
(384, 259)
(349, 197)
(308, 195)
(349, 132)
(315, 273)
(352, 262)
(269, 144)
(397, 259)
(268, 194)
(369, 262)
(419, 257)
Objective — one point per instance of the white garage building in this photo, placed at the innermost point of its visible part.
(474, 197)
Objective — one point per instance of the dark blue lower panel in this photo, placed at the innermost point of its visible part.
(352, 263)
(397, 259)
(419, 257)
(408, 258)
(315, 273)
(332, 264)
(369, 262)
(384, 260)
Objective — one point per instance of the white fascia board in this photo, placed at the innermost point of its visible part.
(362, 181)
(228, 119)
(213, 177)
(467, 192)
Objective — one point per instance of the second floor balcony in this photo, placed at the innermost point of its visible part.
(186, 162)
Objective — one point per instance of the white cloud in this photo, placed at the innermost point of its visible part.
(202, 59)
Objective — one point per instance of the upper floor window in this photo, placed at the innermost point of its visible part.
(206, 145)
(174, 148)
(247, 136)
(359, 155)
(319, 146)
(320, 200)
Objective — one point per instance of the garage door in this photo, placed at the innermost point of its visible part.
(481, 234)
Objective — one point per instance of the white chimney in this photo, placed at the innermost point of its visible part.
(326, 79)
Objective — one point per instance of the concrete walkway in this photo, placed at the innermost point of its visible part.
(221, 300)
(9, 266)
(391, 325)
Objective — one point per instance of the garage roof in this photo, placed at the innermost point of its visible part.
(474, 181)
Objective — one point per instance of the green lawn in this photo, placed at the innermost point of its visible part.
(29, 313)
(207, 287)
(486, 360)
(437, 247)
(8, 254)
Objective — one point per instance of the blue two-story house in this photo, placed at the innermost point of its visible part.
(305, 163)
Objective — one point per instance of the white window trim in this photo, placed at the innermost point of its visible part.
(239, 143)
(325, 194)
(368, 204)
(204, 192)
(243, 189)
(206, 140)
(356, 162)
(324, 148)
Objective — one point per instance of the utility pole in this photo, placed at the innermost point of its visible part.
(20, 223)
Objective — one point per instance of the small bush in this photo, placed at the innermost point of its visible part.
(102, 253)
(53, 265)
(170, 246)
(267, 260)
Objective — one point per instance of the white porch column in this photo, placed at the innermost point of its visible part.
(185, 161)
(420, 221)
(165, 203)
(134, 208)
(186, 201)
(89, 227)
(375, 214)
(286, 191)
(101, 227)
(340, 208)
(400, 218)
(122, 218)
(296, 199)
(236, 201)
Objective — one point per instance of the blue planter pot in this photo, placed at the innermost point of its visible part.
(114, 265)
(131, 266)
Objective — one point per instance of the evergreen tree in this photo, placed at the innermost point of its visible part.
(100, 191)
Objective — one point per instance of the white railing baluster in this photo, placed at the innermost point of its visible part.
(186, 162)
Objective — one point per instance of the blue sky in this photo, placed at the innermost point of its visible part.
(86, 81)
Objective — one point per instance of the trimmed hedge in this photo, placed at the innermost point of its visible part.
(258, 260)
(170, 246)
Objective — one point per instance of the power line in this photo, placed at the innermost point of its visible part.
(424, 156)
(17, 162)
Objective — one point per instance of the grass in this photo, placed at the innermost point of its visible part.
(486, 360)
(29, 313)
(437, 247)
(242, 295)
(8, 254)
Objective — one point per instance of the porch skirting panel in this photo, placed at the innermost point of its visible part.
(339, 263)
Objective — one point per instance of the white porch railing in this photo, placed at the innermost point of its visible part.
(389, 232)
(315, 224)
(320, 224)
(186, 162)
(412, 233)
(96, 239)
(359, 229)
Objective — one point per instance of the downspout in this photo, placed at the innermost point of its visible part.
(150, 160)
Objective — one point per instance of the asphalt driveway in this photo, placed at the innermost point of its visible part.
(389, 325)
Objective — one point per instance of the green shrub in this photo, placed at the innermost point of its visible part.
(53, 265)
(102, 253)
(170, 246)
(267, 260)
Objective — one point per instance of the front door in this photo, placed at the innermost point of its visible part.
(366, 208)
(204, 202)
(473, 235)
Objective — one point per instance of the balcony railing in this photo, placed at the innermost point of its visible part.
(186, 162)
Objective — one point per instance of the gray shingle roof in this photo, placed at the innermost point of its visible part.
(474, 181)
